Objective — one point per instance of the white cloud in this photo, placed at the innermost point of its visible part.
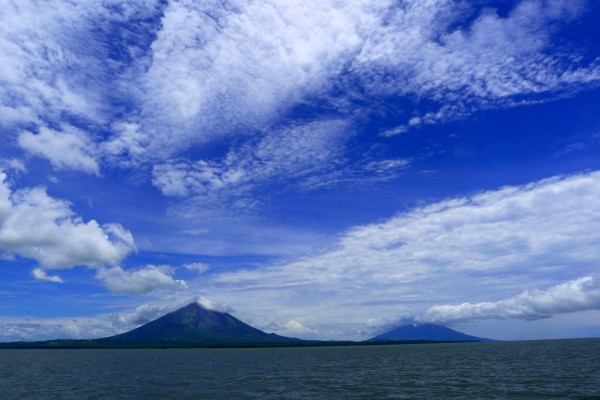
(249, 62)
(127, 146)
(398, 130)
(65, 68)
(385, 166)
(577, 295)
(151, 79)
(221, 69)
(478, 233)
(211, 304)
(31, 329)
(13, 164)
(488, 63)
(141, 315)
(67, 149)
(139, 281)
(72, 71)
(215, 60)
(41, 275)
(492, 243)
(103, 325)
(294, 326)
(284, 156)
(37, 226)
(198, 267)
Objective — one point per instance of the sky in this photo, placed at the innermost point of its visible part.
(320, 169)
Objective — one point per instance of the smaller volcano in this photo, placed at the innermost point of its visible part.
(427, 332)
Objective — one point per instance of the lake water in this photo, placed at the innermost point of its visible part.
(568, 369)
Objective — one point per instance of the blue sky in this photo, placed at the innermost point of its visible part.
(319, 169)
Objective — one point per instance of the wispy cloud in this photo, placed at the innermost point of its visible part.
(481, 242)
(385, 50)
(495, 61)
(182, 74)
(221, 69)
(212, 59)
(65, 69)
(71, 73)
(285, 157)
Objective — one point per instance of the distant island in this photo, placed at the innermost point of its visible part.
(194, 326)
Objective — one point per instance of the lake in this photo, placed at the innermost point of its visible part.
(568, 369)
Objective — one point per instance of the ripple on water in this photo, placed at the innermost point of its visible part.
(504, 370)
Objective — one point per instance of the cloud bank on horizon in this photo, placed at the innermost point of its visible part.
(246, 116)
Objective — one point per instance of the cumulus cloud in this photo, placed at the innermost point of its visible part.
(293, 328)
(37, 226)
(139, 281)
(68, 149)
(298, 327)
(577, 295)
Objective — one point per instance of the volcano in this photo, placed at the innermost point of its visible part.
(194, 324)
(429, 332)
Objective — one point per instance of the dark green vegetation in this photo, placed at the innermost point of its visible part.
(196, 327)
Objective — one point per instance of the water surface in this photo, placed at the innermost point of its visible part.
(568, 369)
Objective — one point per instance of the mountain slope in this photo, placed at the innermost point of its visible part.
(195, 324)
(427, 332)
